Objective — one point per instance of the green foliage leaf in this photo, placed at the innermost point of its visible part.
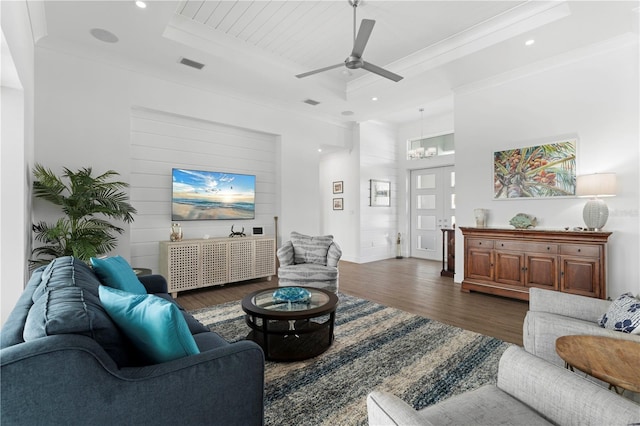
(87, 202)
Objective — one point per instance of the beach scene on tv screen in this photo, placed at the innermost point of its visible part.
(202, 195)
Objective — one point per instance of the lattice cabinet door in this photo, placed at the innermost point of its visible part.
(241, 264)
(180, 264)
(265, 258)
(215, 263)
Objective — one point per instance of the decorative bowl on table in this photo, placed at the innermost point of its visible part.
(292, 295)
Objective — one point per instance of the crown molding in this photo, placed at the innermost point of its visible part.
(518, 20)
(37, 19)
(558, 61)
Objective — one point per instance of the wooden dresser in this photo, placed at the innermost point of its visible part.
(507, 262)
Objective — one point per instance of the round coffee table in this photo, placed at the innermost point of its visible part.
(291, 331)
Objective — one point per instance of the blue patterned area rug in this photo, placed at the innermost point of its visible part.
(420, 360)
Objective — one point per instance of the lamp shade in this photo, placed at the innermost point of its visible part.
(596, 185)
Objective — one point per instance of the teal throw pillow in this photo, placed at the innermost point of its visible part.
(116, 272)
(154, 325)
(623, 315)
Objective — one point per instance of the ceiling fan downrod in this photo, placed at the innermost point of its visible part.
(354, 4)
(354, 62)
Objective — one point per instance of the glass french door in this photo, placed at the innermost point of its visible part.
(432, 209)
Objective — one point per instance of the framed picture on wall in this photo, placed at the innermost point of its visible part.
(338, 187)
(541, 171)
(379, 193)
(338, 203)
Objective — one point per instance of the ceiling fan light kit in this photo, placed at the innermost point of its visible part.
(355, 61)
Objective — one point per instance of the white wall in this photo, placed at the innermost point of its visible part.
(364, 233)
(342, 165)
(593, 97)
(83, 119)
(16, 155)
(378, 225)
(12, 219)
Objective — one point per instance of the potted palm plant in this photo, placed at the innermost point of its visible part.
(88, 202)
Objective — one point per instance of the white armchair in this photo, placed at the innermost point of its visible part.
(553, 314)
(308, 261)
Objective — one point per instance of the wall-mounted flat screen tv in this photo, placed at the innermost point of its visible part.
(205, 195)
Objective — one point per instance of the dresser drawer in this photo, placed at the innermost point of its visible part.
(479, 243)
(526, 247)
(580, 250)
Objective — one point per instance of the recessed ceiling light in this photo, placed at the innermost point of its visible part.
(375, 98)
(104, 35)
(141, 4)
(319, 149)
(529, 42)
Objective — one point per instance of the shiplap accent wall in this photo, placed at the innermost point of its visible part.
(161, 141)
(378, 225)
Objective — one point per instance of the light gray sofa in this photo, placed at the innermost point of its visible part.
(309, 262)
(529, 391)
(553, 314)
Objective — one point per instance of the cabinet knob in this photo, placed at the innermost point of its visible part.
(502, 244)
(548, 248)
(579, 250)
(480, 243)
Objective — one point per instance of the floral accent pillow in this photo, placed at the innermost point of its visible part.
(623, 315)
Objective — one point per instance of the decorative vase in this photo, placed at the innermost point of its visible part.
(481, 217)
(399, 246)
(176, 232)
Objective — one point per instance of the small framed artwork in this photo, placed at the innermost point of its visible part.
(338, 187)
(338, 203)
(379, 193)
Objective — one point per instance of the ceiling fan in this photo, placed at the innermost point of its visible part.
(354, 61)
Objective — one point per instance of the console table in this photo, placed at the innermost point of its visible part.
(448, 252)
(191, 264)
(507, 262)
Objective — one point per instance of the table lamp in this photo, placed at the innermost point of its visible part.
(596, 212)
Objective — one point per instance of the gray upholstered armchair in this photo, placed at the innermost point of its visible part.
(309, 262)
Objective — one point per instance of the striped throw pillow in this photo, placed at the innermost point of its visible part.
(309, 249)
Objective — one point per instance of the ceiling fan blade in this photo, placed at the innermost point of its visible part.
(363, 37)
(381, 71)
(306, 74)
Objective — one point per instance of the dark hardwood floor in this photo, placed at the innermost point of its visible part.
(412, 285)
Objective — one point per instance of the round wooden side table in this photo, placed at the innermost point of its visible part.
(615, 361)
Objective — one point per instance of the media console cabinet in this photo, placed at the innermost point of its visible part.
(190, 264)
(507, 262)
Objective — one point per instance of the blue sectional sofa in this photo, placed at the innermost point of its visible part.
(65, 362)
